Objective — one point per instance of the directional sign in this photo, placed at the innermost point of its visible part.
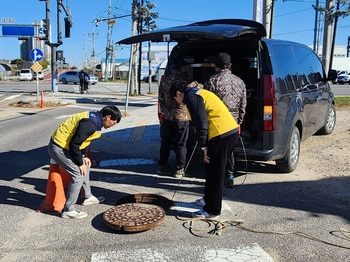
(42, 31)
(36, 54)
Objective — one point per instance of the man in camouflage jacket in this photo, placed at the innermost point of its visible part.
(174, 122)
(232, 92)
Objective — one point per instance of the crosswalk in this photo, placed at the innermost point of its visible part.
(8, 97)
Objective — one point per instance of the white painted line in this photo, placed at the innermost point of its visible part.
(127, 162)
(10, 97)
(193, 207)
(251, 253)
(242, 254)
(63, 116)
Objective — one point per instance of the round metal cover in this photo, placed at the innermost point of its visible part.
(134, 217)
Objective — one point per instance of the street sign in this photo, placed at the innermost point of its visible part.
(17, 30)
(36, 55)
(36, 67)
(42, 31)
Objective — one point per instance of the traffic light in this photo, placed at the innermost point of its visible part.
(44, 26)
(59, 55)
(67, 26)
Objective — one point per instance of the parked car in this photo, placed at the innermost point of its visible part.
(73, 77)
(343, 79)
(25, 75)
(154, 78)
(40, 75)
(340, 72)
(288, 93)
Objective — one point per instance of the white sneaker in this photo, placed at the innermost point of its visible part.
(202, 214)
(200, 202)
(93, 200)
(73, 214)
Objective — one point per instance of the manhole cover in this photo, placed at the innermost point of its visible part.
(134, 217)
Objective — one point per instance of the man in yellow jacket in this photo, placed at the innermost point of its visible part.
(217, 133)
(68, 148)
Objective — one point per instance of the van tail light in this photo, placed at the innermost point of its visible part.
(269, 104)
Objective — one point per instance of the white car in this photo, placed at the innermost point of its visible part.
(25, 74)
(40, 75)
(343, 78)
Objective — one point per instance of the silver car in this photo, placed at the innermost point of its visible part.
(73, 77)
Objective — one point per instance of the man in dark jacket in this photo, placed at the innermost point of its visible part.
(83, 77)
(217, 133)
(232, 92)
(174, 122)
(68, 148)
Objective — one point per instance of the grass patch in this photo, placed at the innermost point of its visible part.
(342, 102)
(36, 104)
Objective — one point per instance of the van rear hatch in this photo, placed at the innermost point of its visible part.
(202, 31)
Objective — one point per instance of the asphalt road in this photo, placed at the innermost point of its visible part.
(284, 217)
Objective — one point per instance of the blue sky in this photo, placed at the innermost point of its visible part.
(293, 20)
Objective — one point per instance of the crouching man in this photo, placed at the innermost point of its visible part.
(68, 148)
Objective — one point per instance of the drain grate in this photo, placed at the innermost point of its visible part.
(134, 217)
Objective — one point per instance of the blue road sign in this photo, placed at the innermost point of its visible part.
(41, 31)
(36, 55)
(16, 30)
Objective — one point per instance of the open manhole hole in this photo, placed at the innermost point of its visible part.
(136, 213)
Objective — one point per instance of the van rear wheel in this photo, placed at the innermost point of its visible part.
(330, 122)
(290, 161)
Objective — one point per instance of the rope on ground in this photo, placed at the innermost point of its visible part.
(216, 227)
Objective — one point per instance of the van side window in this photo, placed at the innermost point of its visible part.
(308, 69)
(285, 69)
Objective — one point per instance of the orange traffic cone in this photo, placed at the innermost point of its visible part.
(55, 197)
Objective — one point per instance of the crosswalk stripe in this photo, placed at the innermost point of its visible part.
(9, 98)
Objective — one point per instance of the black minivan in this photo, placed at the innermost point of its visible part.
(288, 94)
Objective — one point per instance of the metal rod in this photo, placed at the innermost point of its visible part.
(188, 163)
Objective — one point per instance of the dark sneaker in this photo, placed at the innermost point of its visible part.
(179, 173)
(164, 170)
(202, 214)
(229, 181)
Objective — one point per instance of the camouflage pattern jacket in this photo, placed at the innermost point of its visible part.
(168, 106)
(231, 90)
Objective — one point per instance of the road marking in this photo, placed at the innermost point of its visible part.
(10, 97)
(249, 253)
(127, 162)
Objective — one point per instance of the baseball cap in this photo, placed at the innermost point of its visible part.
(223, 59)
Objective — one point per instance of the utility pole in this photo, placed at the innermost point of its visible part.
(268, 17)
(93, 56)
(334, 34)
(140, 22)
(108, 47)
(326, 50)
(133, 62)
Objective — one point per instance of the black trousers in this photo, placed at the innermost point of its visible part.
(219, 150)
(174, 134)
